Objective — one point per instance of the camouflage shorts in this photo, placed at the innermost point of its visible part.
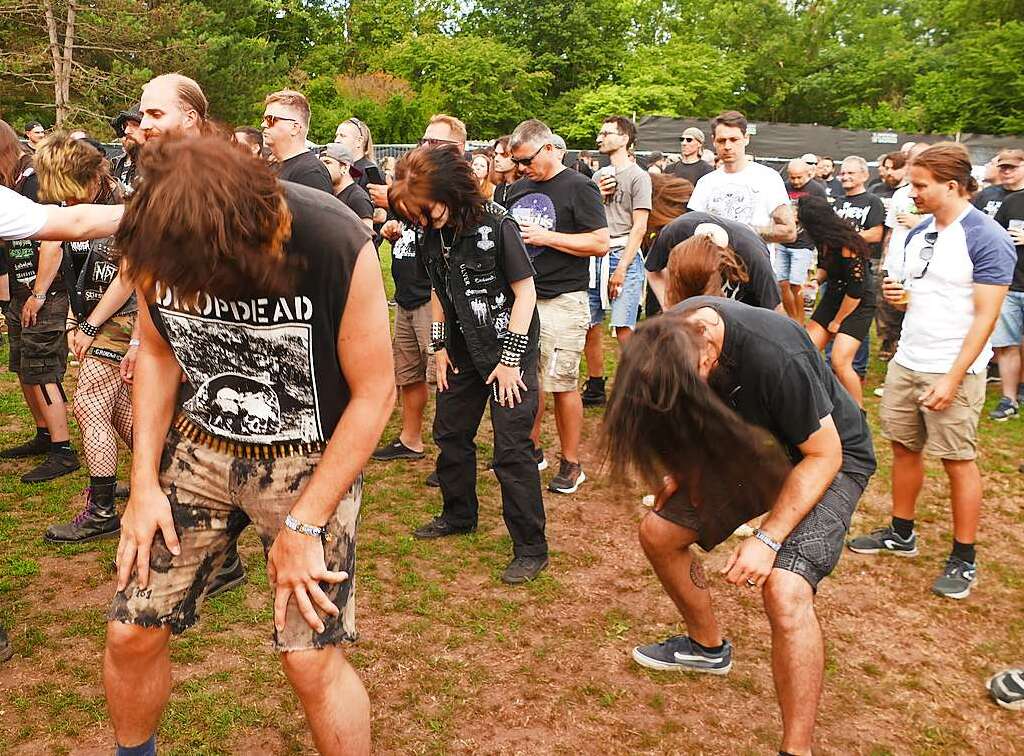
(210, 494)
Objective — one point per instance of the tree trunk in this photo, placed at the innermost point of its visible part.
(61, 55)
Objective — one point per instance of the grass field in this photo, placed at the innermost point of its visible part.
(457, 663)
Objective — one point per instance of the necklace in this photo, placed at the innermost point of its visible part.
(446, 247)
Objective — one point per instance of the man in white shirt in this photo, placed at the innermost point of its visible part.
(743, 190)
(951, 279)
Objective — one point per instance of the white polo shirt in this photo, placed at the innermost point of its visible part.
(973, 249)
(20, 217)
(748, 196)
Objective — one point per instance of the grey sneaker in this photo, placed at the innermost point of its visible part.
(570, 477)
(1007, 688)
(524, 569)
(1006, 409)
(680, 654)
(884, 540)
(957, 579)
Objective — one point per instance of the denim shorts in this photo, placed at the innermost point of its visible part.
(1010, 326)
(792, 264)
(626, 306)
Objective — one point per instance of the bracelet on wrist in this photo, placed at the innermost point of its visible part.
(438, 336)
(313, 531)
(134, 343)
(767, 540)
(513, 348)
(88, 329)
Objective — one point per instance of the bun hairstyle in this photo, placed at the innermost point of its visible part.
(948, 161)
(702, 265)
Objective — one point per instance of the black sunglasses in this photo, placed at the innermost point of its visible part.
(435, 142)
(527, 161)
(687, 139)
(927, 252)
(270, 120)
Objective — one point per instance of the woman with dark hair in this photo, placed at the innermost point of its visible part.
(846, 309)
(72, 172)
(704, 264)
(710, 400)
(503, 171)
(485, 339)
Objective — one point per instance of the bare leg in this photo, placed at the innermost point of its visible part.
(787, 299)
(818, 335)
(844, 348)
(623, 334)
(1008, 359)
(965, 496)
(667, 547)
(55, 414)
(32, 400)
(334, 699)
(414, 400)
(137, 679)
(907, 479)
(594, 352)
(569, 420)
(797, 299)
(798, 656)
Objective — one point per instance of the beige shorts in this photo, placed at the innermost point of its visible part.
(564, 321)
(413, 363)
(949, 434)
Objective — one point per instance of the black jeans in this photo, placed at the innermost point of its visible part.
(456, 421)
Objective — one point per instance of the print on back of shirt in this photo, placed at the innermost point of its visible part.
(270, 339)
(537, 209)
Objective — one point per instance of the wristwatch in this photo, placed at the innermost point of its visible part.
(39, 297)
(767, 540)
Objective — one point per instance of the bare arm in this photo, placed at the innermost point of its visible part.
(782, 228)
(522, 309)
(50, 256)
(80, 222)
(656, 280)
(636, 237)
(113, 299)
(587, 244)
(364, 353)
(872, 235)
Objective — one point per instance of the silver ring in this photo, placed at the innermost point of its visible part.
(751, 583)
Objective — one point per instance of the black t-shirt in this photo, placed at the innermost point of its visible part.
(1011, 215)
(882, 190)
(864, 211)
(833, 188)
(412, 284)
(580, 166)
(23, 255)
(689, 171)
(774, 377)
(761, 290)
(501, 192)
(989, 199)
(357, 199)
(568, 203)
(265, 369)
(306, 169)
(812, 188)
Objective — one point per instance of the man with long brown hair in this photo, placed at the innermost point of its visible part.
(266, 299)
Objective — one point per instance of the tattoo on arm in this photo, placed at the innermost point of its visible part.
(697, 574)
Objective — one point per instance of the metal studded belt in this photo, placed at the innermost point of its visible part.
(197, 435)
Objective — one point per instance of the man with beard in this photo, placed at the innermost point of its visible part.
(127, 126)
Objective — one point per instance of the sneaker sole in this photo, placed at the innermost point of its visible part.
(395, 457)
(100, 537)
(433, 536)
(231, 584)
(860, 550)
(660, 666)
(524, 580)
(579, 482)
(960, 595)
(1012, 705)
(1001, 419)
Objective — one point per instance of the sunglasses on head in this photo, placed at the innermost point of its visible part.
(529, 160)
(270, 120)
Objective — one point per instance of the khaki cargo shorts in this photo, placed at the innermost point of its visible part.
(951, 434)
(564, 321)
(210, 494)
(413, 363)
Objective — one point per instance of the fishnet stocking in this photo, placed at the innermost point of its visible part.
(103, 408)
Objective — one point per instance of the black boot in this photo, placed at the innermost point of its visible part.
(98, 520)
(38, 445)
(57, 463)
(593, 393)
(6, 649)
(231, 575)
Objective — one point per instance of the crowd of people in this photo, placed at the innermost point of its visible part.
(220, 290)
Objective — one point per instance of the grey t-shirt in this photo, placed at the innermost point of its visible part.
(633, 193)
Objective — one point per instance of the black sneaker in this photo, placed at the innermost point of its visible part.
(884, 540)
(956, 580)
(54, 466)
(97, 520)
(680, 654)
(395, 450)
(35, 447)
(524, 569)
(593, 393)
(433, 481)
(1006, 688)
(231, 575)
(1006, 409)
(570, 477)
(6, 649)
(439, 528)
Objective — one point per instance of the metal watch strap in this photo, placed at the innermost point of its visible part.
(39, 297)
(767, 540)
(314, 531)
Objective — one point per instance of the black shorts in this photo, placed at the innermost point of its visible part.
(857, 324)
(39, 353)
(813, 549)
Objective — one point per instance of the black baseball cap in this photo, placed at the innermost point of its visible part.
(117, 123)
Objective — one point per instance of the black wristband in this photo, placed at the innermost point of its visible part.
(513, 348)
(88, 329)
(438, 336)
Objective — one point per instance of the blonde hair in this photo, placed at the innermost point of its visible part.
(457, 127)
(291, 99)
(69, 170)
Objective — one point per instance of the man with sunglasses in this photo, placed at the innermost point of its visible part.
(690, 167)
(563, 222)
(956, 267)
(285, 126)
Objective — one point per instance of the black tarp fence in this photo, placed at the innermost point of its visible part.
(783, 141)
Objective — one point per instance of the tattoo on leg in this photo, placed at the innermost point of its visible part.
(697, 574)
